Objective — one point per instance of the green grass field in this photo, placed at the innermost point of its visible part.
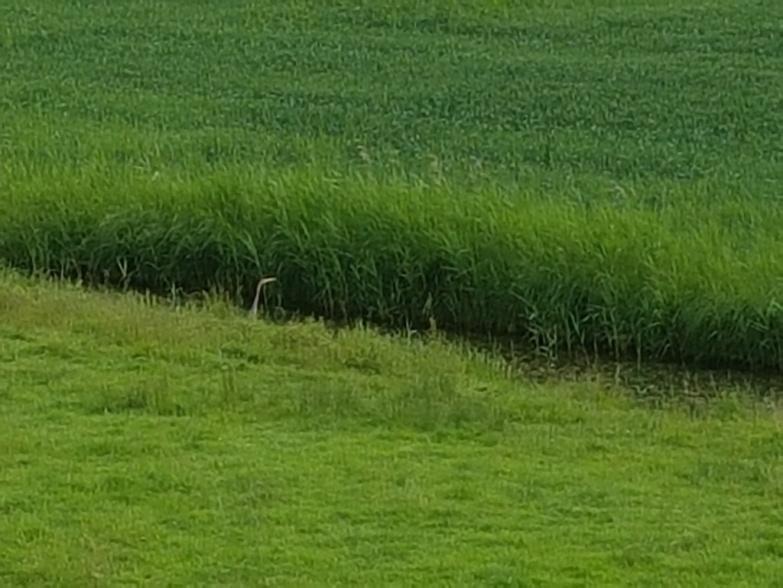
(607, 88)
(595, 183)
(145, 444)
(599, 178)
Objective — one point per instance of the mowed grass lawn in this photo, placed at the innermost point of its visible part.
(143, 443)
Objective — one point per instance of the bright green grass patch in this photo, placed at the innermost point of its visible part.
(140, 443)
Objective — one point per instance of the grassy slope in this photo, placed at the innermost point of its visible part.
(141, 443)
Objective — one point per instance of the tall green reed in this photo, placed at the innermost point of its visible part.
(618, 279)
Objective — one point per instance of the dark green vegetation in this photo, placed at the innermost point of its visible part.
(619, 89)
(144, 444)
(662, 284)
(594, 179)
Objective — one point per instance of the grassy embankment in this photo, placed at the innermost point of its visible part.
(597, 179)
(140, 443)
(603, 177)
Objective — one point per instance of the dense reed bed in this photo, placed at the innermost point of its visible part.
(696, 283)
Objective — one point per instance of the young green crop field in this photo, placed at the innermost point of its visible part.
(596, 183)
(593, 178)
(616, 89)
(141, 443)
